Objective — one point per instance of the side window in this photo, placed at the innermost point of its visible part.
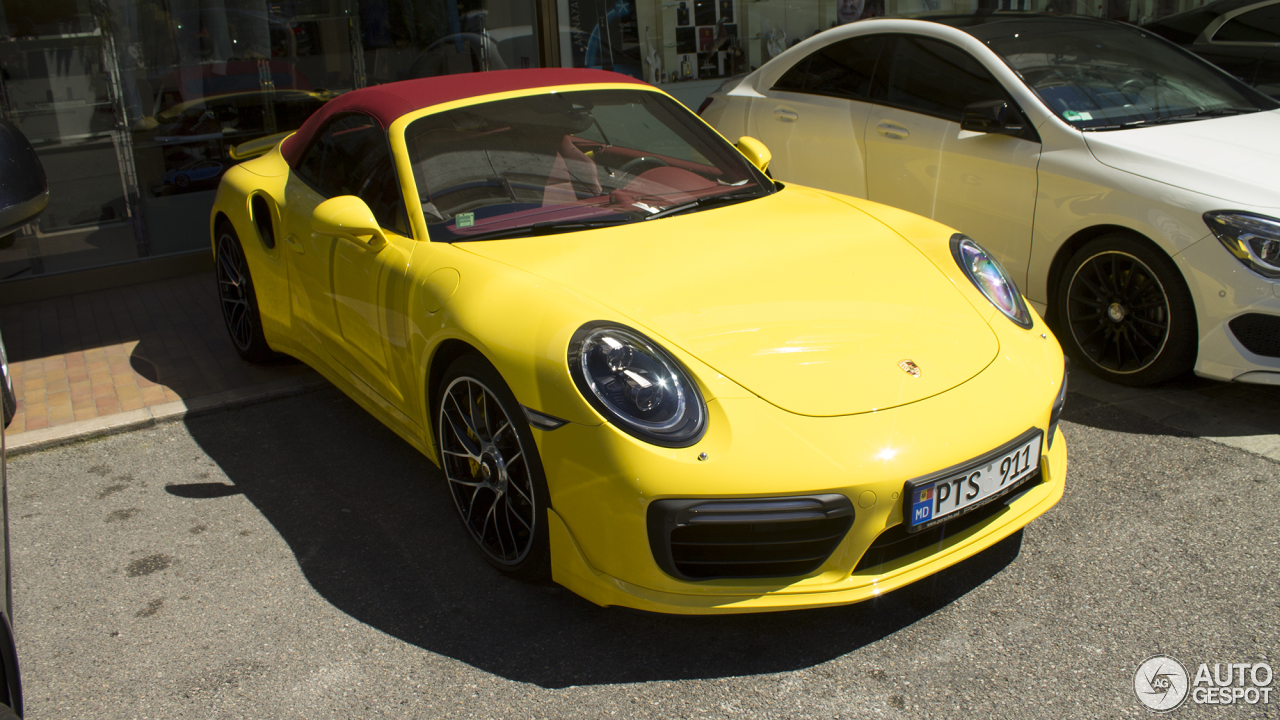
(844, 69)
(1261, 25)
(793, 79)
(380, 189)
(1268, 78)
(936, 78)
(351, 157)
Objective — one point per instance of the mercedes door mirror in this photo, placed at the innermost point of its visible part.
(991, 116)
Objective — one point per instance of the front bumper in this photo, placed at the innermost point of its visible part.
(571, 568)
(603, 482)
(1225, 290)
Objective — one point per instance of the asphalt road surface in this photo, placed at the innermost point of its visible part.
(297, 560)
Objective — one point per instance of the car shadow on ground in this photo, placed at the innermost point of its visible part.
(1247, 415)
(373, 529)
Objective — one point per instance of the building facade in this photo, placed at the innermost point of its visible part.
(134, 105)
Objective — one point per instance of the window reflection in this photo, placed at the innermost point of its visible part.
(134, 105)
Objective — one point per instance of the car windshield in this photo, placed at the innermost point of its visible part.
(1100, 76)
(560, 162)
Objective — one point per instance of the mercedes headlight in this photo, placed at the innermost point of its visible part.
(990, 278)
(1253, 239)
(636, 385)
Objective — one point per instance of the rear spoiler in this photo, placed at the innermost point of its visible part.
(261, 146)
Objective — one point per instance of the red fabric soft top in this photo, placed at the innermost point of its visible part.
(387, 102)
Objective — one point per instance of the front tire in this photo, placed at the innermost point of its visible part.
(493, 469)
(1125, 313)
(237, 297)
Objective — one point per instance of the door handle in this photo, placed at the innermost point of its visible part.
(294, 245)
(786, 115)
(893, 130)
(374, 244)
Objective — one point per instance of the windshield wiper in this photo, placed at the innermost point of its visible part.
(1186, 117)
(708, 201)
(1226, 112)
(1199, 115)
(542, 228)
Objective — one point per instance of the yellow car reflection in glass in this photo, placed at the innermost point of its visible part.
(644, 368)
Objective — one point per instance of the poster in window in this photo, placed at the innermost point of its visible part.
(704, 12)
(848, 11)
(726, 11)
(686, 40)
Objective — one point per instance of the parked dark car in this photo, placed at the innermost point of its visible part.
(1239, 36)
(24, 193)
(11, 687)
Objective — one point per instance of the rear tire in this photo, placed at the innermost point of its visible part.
(1125, 313)
(493, 469)
(238, 299)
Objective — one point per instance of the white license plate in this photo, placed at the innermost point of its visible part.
(934, 501)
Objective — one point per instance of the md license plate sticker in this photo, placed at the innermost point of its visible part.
(954, 494)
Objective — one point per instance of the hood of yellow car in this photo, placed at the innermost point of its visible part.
(797, 297)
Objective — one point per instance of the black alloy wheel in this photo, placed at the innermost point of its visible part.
(238, 300)
(1125, 312)
(492, 466)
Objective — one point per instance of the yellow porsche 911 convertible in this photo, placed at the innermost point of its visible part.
(646, 370)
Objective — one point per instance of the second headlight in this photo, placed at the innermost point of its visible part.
(636, 385)
(1253, 239)
(990, 278)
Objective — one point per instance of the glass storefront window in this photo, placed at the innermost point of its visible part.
(135, 105)
(689, 46)
(56, 81)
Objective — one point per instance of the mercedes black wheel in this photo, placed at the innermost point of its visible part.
(1125, 313)
(492, 466)
(237, 298)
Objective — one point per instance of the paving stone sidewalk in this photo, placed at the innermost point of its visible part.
(113, 359)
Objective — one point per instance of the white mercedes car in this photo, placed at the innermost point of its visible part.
(1131, 188)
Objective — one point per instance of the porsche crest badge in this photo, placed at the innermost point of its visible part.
(909, 368)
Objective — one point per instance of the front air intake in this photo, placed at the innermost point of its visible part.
(1258, 333)
(747, 538)
(262, 220)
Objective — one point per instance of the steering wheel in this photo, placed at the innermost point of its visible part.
(1132, 86)
(638, 165)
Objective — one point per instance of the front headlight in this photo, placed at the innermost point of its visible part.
(636, 385)
(1253, 239)
(990, 278)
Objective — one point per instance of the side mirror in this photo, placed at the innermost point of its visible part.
(991, 116)
(755, 151)
(24, 192)
(349, 218)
